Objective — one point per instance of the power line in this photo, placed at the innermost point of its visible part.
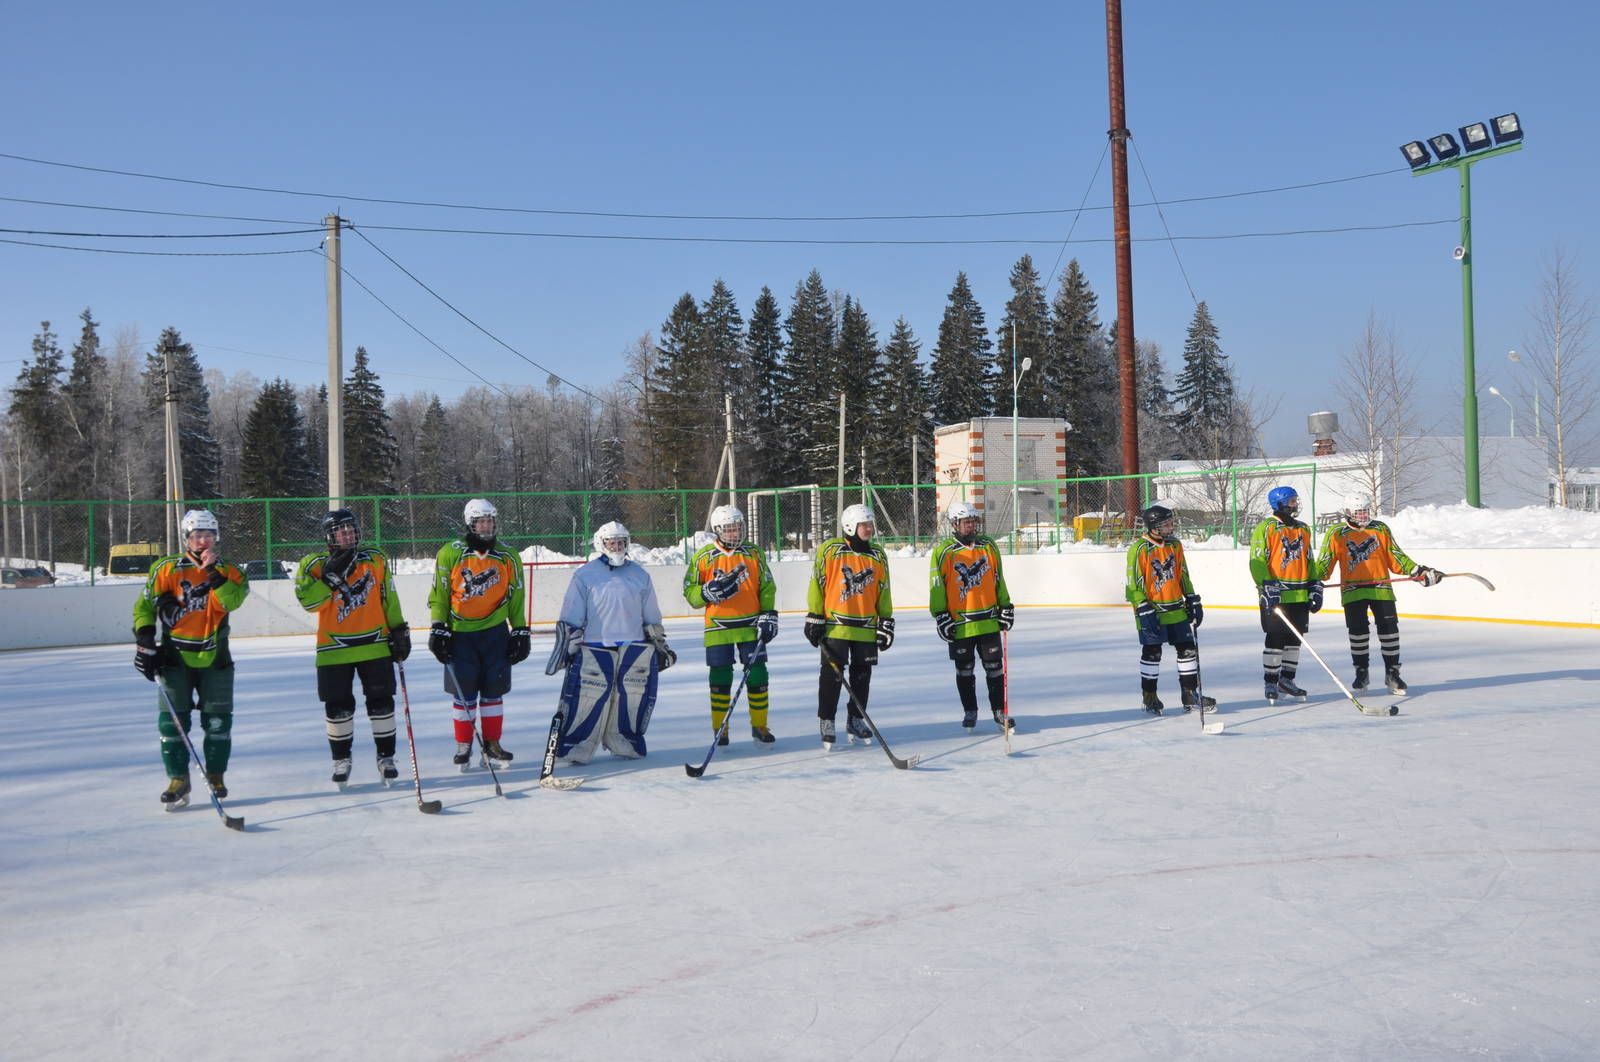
(1050, 279)
(158, 235)
(159, 254)
(158, 213)
(642, 216)
(1163, 215)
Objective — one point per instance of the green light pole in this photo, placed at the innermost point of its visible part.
(1462, 164)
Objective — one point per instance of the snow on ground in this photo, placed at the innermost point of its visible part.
(1313, 883)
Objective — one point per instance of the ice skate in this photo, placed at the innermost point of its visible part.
(176, 795)
(1152, 703)
(969, 718)
(341, 773)
(825, 727)
(722, 737)
(1271, 693)
(218, 786)
(858, 730)
(1360, 682)
(1004, 721)
(496, 755)
(463, 757)
(1193, 700)
(761, 735)
(1287, 687)
(1392, 679)
(387, 771)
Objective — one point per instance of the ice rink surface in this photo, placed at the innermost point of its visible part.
(1311, 884)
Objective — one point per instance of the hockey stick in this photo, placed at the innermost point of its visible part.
(1363, 709)
(232, 822)
(1212, 725)
(427, 807)
(450, 670)
(1486, 584)
(727, 717)
(905, 764)
(1005, 680)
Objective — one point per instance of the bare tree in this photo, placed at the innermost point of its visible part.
(1378, 383)
(1563, 364)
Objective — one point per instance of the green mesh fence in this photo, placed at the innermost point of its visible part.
(76, 539)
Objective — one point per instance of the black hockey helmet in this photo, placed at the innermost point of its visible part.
(1159, 521)
(336, 519)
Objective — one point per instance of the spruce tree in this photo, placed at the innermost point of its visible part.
(370, 450)
(763, 427)
(84, 409)
(202, 462)
(1204, 394)
(683, 416)
(811, 367)
(434, 472)
(38, 415)
(902, 407)
(964, 377)
(722, 345)
(314, 407)
(1158, 441)
(1083, 378)
(860, 378)
(273, 462)
(1024, 332)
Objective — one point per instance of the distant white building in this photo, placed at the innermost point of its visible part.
(980, 453)
(1583, 489)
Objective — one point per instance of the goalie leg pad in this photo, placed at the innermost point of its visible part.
(585, 698)
(634, 700)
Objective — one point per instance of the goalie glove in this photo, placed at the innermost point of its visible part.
(656, 635)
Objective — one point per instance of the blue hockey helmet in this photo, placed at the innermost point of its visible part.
(1283, 499)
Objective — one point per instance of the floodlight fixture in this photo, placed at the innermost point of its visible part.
(1416, 153)
(1445, 146)
(1507, 128)
(1475, 136)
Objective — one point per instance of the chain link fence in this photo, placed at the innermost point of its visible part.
(75, 540)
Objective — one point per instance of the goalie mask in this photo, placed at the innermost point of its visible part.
(611, 542)
(482, 522)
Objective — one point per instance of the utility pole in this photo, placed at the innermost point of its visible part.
(1122, 233)
(840, 496)
(5, 511)
(174, 455)
(916, 508)
(733, 473)
(335, 366)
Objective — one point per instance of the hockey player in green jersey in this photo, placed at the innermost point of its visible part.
(971, 607)
(850, 617)
(360, 630)
(729, 578)
(191, 596)
(1165, 609)
(1366, 551)
(1284, 569)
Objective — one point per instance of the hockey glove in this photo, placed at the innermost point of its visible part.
(169, 610)
(339, 563)
(1196, 613)
(520, 645)
(1315, 599)
(400, 642)
(816, 628)
(1148, 619)
(1427, 576)
(885, 633)
(946, 625)
(1007, 617)
(767, 626)
(335, 582)
(656, 635)
(721, 588)
(217, 579)
(146, 656)
(1271, 593)
(439, 643)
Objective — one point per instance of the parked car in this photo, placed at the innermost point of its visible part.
(260, 569)
(25, 577)
(133, 558)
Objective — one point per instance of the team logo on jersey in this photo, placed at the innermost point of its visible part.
(972, 574)
(1293, 548)
(1360, 551)
(856, 582)
(478, 585)
(1162, 571)
(356, 596)
(728, 583)
(195, 596)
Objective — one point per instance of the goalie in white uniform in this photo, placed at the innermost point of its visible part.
(611, 644)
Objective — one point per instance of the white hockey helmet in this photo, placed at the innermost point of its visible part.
(727, 524)
(1360, 511)
(962, 510)
(856, 515)
(200, 520)
(611, 542)
(479, 538)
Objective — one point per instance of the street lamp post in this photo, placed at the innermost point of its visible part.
(1016, 380)
(1512, 415)
(1538, 426)
(1474, 147)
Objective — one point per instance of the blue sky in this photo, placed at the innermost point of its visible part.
(826, 109)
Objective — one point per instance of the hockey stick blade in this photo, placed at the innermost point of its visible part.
(429, 807)
(560, 785)
(233, 822)
(1351, 697)
(727, 717)
(1486, 584)
(904, 765)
